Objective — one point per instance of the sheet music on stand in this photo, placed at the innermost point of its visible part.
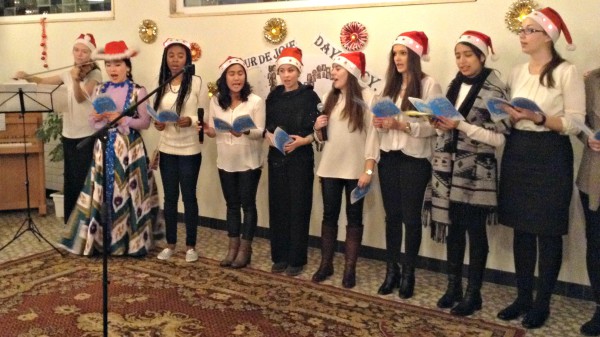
(38, 98)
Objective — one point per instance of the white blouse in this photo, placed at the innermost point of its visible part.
(566, 100)
(237, 154)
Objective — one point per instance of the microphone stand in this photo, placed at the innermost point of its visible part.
(105, 213)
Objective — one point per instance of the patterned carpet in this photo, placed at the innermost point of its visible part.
(50, 295)
(567, 313)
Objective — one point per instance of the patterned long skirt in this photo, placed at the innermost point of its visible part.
(132, 215)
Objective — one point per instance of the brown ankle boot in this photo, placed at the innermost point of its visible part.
(244, 255)
(232, 250)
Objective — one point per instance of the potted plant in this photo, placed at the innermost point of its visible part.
(51, 130)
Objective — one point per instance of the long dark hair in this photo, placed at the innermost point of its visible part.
(354, 105)
(165, 74)
(550, 66)
(224, 95)
(393, 79)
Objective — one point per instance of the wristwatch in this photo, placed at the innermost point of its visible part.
(369, 172)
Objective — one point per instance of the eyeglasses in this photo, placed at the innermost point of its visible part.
(529, 31)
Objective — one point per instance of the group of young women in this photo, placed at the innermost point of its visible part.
(437, 172)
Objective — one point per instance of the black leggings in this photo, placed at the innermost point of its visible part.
(332, 189)
(526, 248)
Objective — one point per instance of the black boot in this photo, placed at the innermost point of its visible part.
(351, 249)
(392, 279)
(328, 243)
(592, 327)
(470, 303)
(455, 251)
(407, 285)
(454, 292)
(472, 300)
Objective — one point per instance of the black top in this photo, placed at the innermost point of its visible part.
(295, 112)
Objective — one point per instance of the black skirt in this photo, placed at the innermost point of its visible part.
(536, 182)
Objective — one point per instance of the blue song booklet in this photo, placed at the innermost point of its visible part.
(495, 104)
(359, 193)
(280, 139)
(437, 106)
(385, 108)
(586, 129)
(104, 103)
(241, 123)
(165, 116)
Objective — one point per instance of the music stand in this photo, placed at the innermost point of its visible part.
(28, 102)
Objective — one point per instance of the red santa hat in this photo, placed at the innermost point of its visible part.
(553, 24)
(354, 62)
(114, 50)
(86, 39)
(171, 41)
(480, 41)
(416, 41)
(290, 55)
(231, 60)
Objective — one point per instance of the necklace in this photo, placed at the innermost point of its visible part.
(120, 85)
(174, 91)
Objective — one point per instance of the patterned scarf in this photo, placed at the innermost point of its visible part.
(464, 170)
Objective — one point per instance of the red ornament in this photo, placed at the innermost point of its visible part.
(43, 44)
(354, 36)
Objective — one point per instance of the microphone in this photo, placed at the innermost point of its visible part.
(190, 69)
(320, 107)
(201, 122)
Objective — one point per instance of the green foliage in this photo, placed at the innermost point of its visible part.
(51, 129)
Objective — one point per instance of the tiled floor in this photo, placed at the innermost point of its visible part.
(567, 314)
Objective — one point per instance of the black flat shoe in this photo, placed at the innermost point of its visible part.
(535, 318)
(513, 311)
(294, 271)
(278, 267)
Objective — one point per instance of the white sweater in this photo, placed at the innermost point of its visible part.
(345, 151)
(177, 140)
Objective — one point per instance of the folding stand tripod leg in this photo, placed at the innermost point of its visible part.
(29, 221)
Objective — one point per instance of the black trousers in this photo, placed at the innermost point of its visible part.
(332, 190)
(180, 172)
(403, 180)
(239, 190)
(76, 165)
(592, 234)
(290, 204)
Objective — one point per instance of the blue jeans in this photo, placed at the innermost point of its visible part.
(183, 171)
(239, 191)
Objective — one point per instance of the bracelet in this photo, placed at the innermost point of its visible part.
(542, 122)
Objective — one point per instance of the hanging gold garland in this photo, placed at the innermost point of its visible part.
(212, 89)
(517, 13)
(148, 31)
(275, 30)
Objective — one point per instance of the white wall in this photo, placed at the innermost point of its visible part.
(220, 36)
